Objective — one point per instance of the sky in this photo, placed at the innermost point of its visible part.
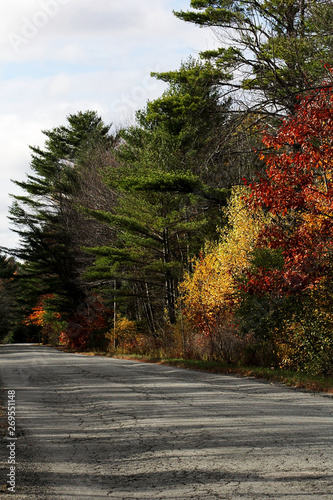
(59, 57)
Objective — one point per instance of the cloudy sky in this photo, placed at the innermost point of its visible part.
(63, 56)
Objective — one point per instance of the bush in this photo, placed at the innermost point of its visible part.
(125, 338)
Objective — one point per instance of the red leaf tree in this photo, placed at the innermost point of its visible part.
(297, 190)
(288, 292)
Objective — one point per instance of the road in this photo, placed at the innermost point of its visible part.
(95, 427)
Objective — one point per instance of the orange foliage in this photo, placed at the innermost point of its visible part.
(125, 337)
(49, 322)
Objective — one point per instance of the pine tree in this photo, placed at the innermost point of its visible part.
(43, 215)
(169, 199)
(158, 224)
(275, 49)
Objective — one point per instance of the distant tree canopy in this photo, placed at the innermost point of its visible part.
(9, 308)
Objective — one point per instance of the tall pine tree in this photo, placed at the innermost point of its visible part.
(43, 215)
(276, 49)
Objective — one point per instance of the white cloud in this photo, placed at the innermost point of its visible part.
(29, 29)
(58, 85)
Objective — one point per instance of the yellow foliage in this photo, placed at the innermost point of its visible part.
(211, 289)
(125, 338)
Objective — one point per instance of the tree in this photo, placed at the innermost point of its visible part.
(298, 191)
(274, 49)
(47, 322)
(289, 287)
(9, 296)
(157, 225)
(210, 293)
(194, 113)
(43, 216)
(168, 196)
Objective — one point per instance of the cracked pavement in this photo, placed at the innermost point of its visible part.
(96, 427)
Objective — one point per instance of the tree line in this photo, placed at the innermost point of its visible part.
(203, 229)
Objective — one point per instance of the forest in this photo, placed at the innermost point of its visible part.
(204, 230)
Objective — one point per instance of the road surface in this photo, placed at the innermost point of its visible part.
(95, 427)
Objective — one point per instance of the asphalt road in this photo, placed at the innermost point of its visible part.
(94, 427)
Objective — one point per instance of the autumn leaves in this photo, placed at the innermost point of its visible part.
(270, 273)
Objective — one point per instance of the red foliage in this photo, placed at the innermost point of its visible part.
(89, 319)
(298, 191)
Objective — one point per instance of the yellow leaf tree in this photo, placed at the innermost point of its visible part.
(210, 293)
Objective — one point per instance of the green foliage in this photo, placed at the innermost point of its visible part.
(278, 45)
(155, 229)
(127, 216)
(267, 258)
(189, 117)
(163, 182)
(9, 295)
(43, 216)
(165, 208)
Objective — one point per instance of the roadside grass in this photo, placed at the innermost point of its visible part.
(299, 380)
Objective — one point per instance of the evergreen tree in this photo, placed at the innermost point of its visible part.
(9, 297)
(194, 113)
(158, 226)
(274, 48)
(213, 137)
(44, 214)
(169, 189)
